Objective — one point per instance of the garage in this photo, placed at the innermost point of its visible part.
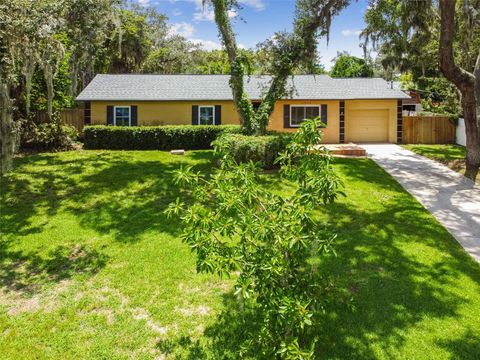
(367, 125)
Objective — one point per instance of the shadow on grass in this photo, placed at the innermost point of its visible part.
(109, 192)
(466, 347)
(28, 273)
(226, 339)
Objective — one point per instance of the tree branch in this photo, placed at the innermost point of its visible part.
(312, 17)
(243, 103)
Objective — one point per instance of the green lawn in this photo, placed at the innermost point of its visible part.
(439, 152)
(91, 268)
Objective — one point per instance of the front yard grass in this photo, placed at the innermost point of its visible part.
(91, 268)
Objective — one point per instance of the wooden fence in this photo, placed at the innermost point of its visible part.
(73, 117)
(428, 130)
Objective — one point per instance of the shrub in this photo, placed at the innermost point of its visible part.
(272, 242)
(51, 136)
(244, 148)
(187, 137)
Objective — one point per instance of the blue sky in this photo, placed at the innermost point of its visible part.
(257, 21)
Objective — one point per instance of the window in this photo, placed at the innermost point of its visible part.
(298, 114)
(122, 116)
(206, 115)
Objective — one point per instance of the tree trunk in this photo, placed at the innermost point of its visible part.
(7, 129)
(472, 134)
(476, 73)
(465, 83)
(242, 102)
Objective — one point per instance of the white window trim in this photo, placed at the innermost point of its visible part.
(129, 114)
(307, 105)
(207, 106)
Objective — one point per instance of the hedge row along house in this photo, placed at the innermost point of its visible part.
(354, 110)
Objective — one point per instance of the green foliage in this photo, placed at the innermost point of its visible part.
(130, 43)
(50, 136)
(62, 98)
(271, 241)
(188, 137)
(439, 96)
(348, 66)
(400, 32)
(406, 36)
(245, 148)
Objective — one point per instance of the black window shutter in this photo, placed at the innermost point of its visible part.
(218, 115)
(324, 114)
(133, 115)
(109, 115)
(286, 116)
(194, 114)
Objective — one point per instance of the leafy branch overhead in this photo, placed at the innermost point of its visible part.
(288, 51)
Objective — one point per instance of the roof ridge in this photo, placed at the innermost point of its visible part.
(142, 74)
(158, 87)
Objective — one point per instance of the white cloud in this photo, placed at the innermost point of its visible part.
(183, 29)
(207, 44)
(207, 14)
(204, 15)
(144, 3)
(256, 4)
(350, 32)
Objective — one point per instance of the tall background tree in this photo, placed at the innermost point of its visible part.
(50, 50)
(431, 39)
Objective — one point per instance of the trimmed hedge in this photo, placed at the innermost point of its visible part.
(243, 148)
(188, 137)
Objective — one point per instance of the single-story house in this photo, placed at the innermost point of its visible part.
(354, 110)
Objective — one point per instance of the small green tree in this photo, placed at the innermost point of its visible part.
(237, 226)
(348, 66)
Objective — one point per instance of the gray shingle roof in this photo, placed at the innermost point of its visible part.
(216, 87)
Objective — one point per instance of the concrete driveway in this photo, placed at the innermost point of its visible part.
(453, 199)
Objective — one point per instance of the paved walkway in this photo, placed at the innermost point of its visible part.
(453, 199)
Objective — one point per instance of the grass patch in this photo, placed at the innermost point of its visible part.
(439, 152)
(91, 268)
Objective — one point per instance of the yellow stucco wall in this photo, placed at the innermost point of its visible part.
(180, 113)
(330, 133)
(389, 105)
(163, 113)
